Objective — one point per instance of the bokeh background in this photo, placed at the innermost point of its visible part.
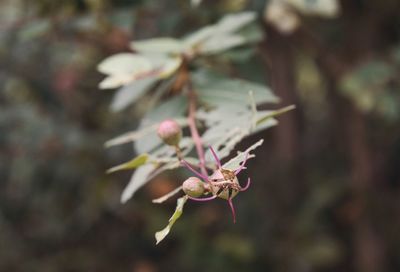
(326, 191)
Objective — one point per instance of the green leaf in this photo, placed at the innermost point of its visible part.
(131, 136)
(132, 164)
(370, 85)
(282, 16)
(167, 196)
(143, 132)
(173, 108)
(138, 179)
(228, 126)
(130, 93)
(160, 235)
(326, 8)
(252, 33)
(199, 36)
(239, 55)
(220, 36)
(266, 115)
(122, 69)
(234, 163)
(35, 28)
(221, 43)
(233, 22)
(158, 45)
(124, 63)
(216, 90)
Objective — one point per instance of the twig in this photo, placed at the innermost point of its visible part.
(193, 129)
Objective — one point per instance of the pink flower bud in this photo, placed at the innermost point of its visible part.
(193, 187)
(170, 132)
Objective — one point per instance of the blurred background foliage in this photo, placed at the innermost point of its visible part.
(326, 181)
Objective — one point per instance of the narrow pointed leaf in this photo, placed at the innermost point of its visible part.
(132, 164)
(130, 93)
(139, 178)
(167, 196)
(160, 235)
(234, 163)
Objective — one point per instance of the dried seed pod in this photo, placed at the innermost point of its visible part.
(224, 184)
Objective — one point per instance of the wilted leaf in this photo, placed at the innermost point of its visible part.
(160, 235)
(130, 93)
(134, 163)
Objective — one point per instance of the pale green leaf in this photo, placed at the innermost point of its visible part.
(112, 82)
(220, 36)
(216, 90)
(173, 108)
(135, 135)
(266, 115)
(130, 93)
(235, 162)
(124, 63)
(160, 235)
(167, 196)
(132, 164)
(233, 22)
(221, 43)
(326, 8)
(158, 45)
(131, 136)
(252, 33)
(139, 178)
(170, 66)
(282, 16)
(199, 36)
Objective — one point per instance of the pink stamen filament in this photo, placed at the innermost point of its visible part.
(188, 166)
(215, 157)
(246, 187)
(242, 166)
(203, 199)
(232, 209)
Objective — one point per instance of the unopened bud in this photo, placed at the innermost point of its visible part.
(193, 187)
(170, 132)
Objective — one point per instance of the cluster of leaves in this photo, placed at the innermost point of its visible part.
(226, 108)
(285, 14)
(373, 86)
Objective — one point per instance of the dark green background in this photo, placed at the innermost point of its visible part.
(326, 183)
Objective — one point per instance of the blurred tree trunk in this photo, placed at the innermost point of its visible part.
(351, 132)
